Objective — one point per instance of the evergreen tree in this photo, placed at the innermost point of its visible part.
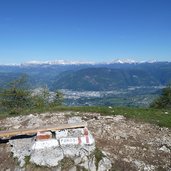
(16, 97)
(164, 101)
(41, 98)
(58, 99)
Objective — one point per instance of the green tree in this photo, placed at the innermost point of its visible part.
(16, 96)
(41, 98)
(58, 99)
(164, 101)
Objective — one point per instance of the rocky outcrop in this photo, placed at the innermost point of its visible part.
(123, 144)
(76, 146)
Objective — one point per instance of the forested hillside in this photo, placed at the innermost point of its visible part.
(99, 79)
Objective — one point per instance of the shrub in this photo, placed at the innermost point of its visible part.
(164, 101)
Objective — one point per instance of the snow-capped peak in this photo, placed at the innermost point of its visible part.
(123, 61)
(56, 62)
(67, 62)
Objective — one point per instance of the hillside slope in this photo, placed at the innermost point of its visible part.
(105, 79)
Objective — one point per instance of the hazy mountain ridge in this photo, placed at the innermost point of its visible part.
(104, 79)
(111, 76)
(90, 76)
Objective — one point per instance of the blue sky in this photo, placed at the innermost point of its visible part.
(84, 30)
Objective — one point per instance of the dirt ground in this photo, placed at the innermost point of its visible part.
(130, 145)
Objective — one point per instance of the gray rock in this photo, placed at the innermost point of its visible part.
(21, 148)
(73, 168)
(49, 153)
(142, 166)
(75, 119)
(164, 149)
(105, 164)
(88, 163)
(49, 157)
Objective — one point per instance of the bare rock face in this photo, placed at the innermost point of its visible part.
(49, 157)
(20, 149)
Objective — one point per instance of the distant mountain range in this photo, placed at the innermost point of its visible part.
(104, 79)
(89, 76)
(66, 62)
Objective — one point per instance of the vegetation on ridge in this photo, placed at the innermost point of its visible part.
(90, 77)
(17, 98)
(164, 101)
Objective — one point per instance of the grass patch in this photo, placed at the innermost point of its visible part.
(27, 160)
(34, 167)
(160, 117)
(67, 163)
(98, 156)
(80, 168)
(2, 129)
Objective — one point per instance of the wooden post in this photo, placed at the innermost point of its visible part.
(9, 133)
